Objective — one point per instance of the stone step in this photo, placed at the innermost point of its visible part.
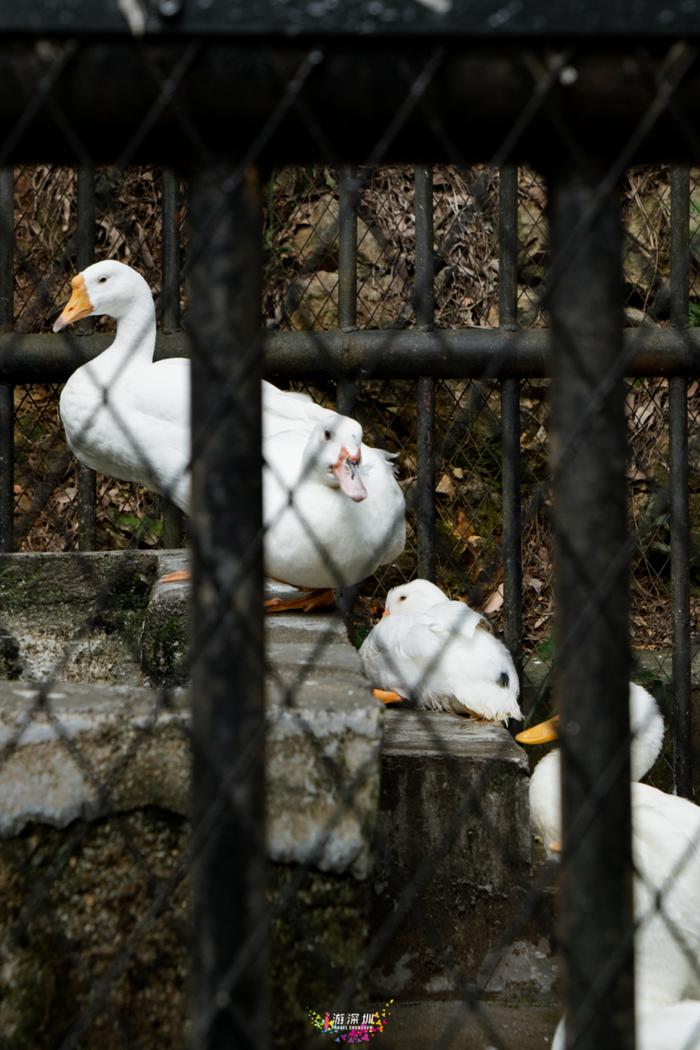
(408, 845)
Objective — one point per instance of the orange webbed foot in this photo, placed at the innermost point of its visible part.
(387, 696)
(176, 577)
(305, 601)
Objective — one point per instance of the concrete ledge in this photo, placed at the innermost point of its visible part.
(95, 749)
(453, 865)
(74, 617)
(88, 751)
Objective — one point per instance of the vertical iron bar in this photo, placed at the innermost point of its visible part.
(346, 393)
(170, 315)
(678, 454)
(425, 387)
(591, 589)
(348, 196)
(7, 430)
(225, 260)
(510, 417)
(85, 256)
(170, 285)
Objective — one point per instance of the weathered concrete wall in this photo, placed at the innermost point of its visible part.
(74, 619)
(93, 804)
(453, 865)
(94, 781)
(95, 943)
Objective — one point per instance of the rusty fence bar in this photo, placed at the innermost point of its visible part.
(591, 594)
(7, 434)
(171, 262)
(170, 315)
(85, 256)
(458, 353)
(348, 199)
(227, 694)
(425, 387)
(349, 187)
(678, 480)
(510, 416)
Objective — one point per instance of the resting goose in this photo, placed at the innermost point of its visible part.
(666, 853)
(441, 654)
(128, 416)
(334, 511)
(675, 1027)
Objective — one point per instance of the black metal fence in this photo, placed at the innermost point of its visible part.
(581, 113)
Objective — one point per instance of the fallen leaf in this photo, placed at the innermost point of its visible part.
(494, 603)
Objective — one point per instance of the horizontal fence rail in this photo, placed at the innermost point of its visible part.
(425, 353)
(350, 356)
(471, 353)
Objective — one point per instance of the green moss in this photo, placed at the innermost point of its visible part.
(100, 908)
(319, 940)
(165, 650)
(71, 902)
(10, 658)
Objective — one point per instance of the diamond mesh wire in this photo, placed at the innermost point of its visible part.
(301, 292)
(148, 860)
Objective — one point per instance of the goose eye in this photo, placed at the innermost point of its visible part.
(327, 435)
(402, 598)
(101, 280)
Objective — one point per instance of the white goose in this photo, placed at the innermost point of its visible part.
(128, 416)
(334, 511)
(124, 414)
(675, 1027)
(666, 853)
(441, 654)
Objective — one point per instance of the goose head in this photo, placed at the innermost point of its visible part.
(646, 729)
(106, 288)
(413, 597)
(333, 455)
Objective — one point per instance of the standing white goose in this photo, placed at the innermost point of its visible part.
(441, 654)
(128, 416)
(124, 414)
(666, 854)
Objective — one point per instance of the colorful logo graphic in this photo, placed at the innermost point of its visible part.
(351, 1027)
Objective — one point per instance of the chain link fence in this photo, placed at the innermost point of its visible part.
(301, 293)
(212, 833)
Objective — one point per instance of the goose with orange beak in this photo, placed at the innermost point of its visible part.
(124, 414)
(333, 508)
(666, 854)
(441, 654)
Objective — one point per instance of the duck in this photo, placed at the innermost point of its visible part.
(128, 416)
(666, 854)
(441, 654)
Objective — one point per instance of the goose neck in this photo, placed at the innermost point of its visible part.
(134, 342)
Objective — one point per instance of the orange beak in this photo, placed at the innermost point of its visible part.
(540, 734)
(78, 305)
(386, 613)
